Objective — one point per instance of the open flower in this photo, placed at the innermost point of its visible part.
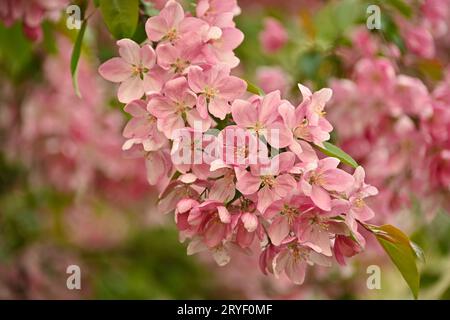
(131, 70)
(358, 209)
(142, 127)
(271, 182)
(261, 116)
(215, 89)
(171, 24)
(180, 57)
(175, 106)
(294, 258)
(325, 177)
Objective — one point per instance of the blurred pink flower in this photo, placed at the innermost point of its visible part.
(274, 36)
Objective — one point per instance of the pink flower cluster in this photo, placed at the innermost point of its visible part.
(399, 130)
(177, 87)
(31, 13)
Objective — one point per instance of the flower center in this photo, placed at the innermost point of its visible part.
(268, 180)
(297, 252)
(172, 35)
(290, 212)
(316, 179)
(359, 203)
(139, 70)
(210, 93)
(179, 65)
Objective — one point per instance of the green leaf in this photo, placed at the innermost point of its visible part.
(333, 151)
(418, 251)
(76, 53)
(402, 253)
(120, 16)
(252, 88)
(401, 7)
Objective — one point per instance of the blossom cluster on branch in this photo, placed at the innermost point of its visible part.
(234, 167)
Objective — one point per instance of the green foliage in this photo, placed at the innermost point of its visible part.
(253, 88)
(402, 253)
(15, 51)
(153, 265)
(333, 151)
(76, 53)
(120, 16)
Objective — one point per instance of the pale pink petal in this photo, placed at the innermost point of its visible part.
(219, 108)
(248, 183)
(131, 89)
(268, 110)
(250, 221)
(129, 51)
(197, 122)
(147, 56)
(166, 54)
(266, 197)
(278, 135)
(115, 70)
(232, 88)
(214, 233)
(244, 113)
(287, 112)
(156, 28)
(136, 108)
(161, 107)
(173, 13)
(196, 79)
(284, 184)
(336, 180)
(296, 270)
(224, 215)
(321, 198)
(278, 230)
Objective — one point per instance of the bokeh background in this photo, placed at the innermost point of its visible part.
(69, 196)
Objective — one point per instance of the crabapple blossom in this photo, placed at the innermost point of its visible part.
(234, 169)
(131, 70)
(260, 114)
(274, 36)
(171, 24)
(215, 89)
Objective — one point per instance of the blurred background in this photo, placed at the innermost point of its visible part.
(68, 196)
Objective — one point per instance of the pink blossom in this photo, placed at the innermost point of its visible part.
(273, 179)
(419, 40)
(285, 215)
(171, 24)
(173, 106)
(294, 258)
(180, 57)
(307, 123)
(215, 89)
(359, 210)
(143, 126)
(324, 178)
(261, 115)
(220, 49)
(347, 247)
(218, 12)
(274, 36)
(131, 70)
(272, 78)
